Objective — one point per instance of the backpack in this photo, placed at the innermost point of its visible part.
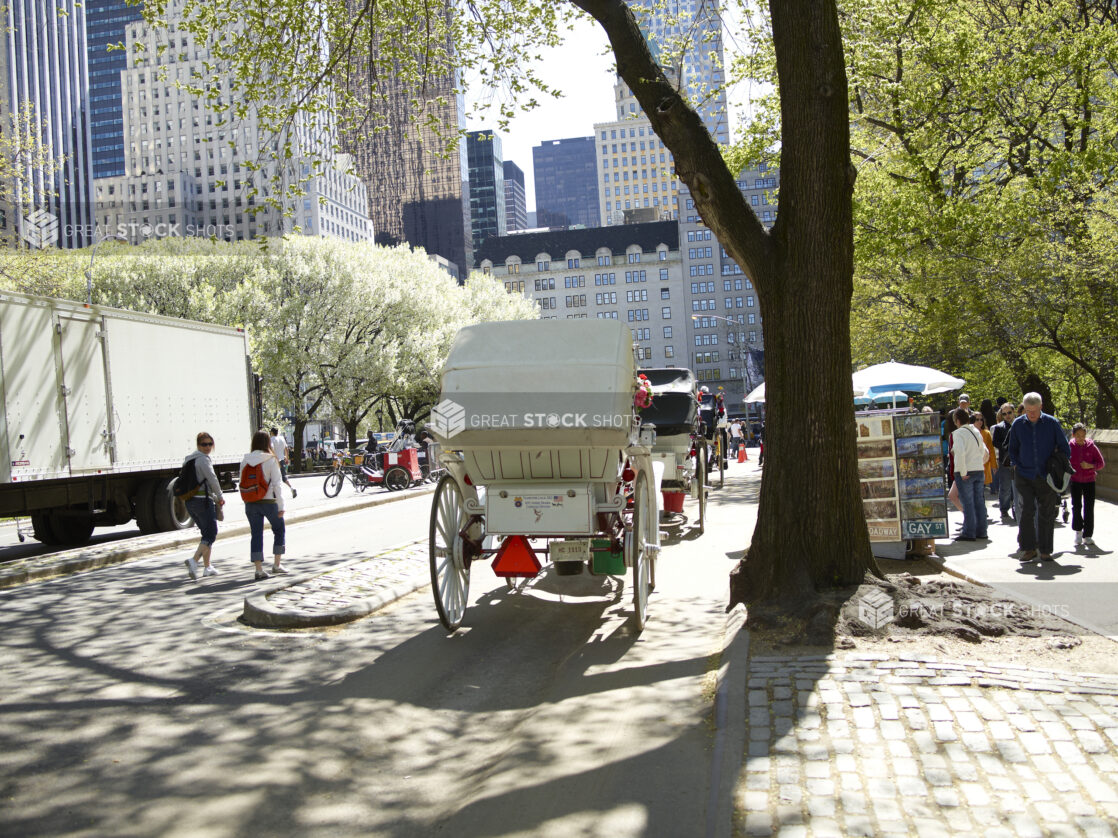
(187, 484)
(1058, 471)
(253, 485)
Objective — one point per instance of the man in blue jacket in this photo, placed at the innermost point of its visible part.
(1032, 440)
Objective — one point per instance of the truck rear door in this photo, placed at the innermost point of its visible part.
(84, 393)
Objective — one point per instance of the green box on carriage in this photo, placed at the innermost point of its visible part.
(607, 562)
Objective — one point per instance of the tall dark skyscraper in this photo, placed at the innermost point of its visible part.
(566, 183)
(487, 185)
(105, 24)
(43, 73)
(417, 192)
(516, 206)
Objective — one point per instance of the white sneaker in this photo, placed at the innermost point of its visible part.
(192, 568)
(278, 570)
(210, 571)
(1078, 537)
(1090, 542)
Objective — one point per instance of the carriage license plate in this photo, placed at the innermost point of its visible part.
(576, 550)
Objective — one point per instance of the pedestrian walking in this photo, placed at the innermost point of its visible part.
(969, 452)
(280, 449)
(1086, 459)
(260, 489)
(1000, 437)
(203, 506)
(736, 438)
(991, 464)
(1033, 438)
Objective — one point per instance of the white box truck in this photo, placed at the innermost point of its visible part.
(99, 406)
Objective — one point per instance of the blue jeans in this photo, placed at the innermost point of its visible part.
(971, 487)
(204, 514)
(256, 513)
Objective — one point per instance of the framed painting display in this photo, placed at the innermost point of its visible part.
(877, 471)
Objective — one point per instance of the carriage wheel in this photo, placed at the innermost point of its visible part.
(333, 484)
(397, 479)
(644, 572)
(450, 576)
(701, 477)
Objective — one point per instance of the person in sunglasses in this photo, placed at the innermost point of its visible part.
(203, 505)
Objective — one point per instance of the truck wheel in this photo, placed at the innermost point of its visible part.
(163, 505)
(144, 503)
(71, 529)
(41, 528)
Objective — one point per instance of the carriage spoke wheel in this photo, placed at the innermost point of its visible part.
(701, 477)
(450, 576)
(636, 542)
(333, 484)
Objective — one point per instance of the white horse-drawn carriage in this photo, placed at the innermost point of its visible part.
(680, 446)
(545, 460)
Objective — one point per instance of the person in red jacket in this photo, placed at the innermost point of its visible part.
(1086, 459)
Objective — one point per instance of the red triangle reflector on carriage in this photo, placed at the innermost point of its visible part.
(516, 558)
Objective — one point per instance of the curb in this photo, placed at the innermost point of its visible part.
(729, 734)
(259, 613)
(61, 564)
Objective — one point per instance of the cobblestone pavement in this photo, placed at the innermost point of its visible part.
(867, 745)
(344, 593)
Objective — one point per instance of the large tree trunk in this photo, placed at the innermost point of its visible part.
(811, 533)
(300, 430)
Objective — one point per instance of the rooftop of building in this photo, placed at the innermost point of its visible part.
(586, 241)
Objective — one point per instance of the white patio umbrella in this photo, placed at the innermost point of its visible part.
(757, 396)
(908, 378)
(893, 396)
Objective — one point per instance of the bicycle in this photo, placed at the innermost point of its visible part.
(342, 470)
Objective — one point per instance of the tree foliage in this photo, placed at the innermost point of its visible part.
(334, 327)
(986, 137)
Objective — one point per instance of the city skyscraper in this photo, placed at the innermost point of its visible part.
(106, 24)
(566, 173)
(487, 185)
(636, 172)
(516, 205)
(417, 190)
(44, 74)
(686, 37)
(190, 172)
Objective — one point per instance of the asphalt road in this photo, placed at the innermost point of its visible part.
(134, 703)
(310, 496)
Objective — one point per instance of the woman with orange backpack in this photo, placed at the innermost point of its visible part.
(260, 484)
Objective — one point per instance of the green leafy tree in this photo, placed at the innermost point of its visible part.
(985, 134)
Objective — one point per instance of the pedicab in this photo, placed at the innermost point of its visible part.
(680, 444)
(546, 464)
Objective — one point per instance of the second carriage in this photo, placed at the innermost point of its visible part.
(545, 459)
(680, 445)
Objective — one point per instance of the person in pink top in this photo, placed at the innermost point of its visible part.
(1086, 459)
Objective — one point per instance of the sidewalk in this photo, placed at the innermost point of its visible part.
(1080, 585)
(864, 745)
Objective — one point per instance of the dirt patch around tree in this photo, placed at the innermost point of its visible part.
(920, 609)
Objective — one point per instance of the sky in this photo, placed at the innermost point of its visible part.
(585, 76)
(583, 69)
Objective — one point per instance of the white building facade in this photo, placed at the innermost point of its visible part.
(632, 273)
(191, 170)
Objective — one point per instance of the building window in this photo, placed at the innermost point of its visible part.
(634, 257)
(668, 332)
(543, 265)
(666, 313)
(663, 273)
(603, 261)
(665, 294)
(669, 352)
(572, 263)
